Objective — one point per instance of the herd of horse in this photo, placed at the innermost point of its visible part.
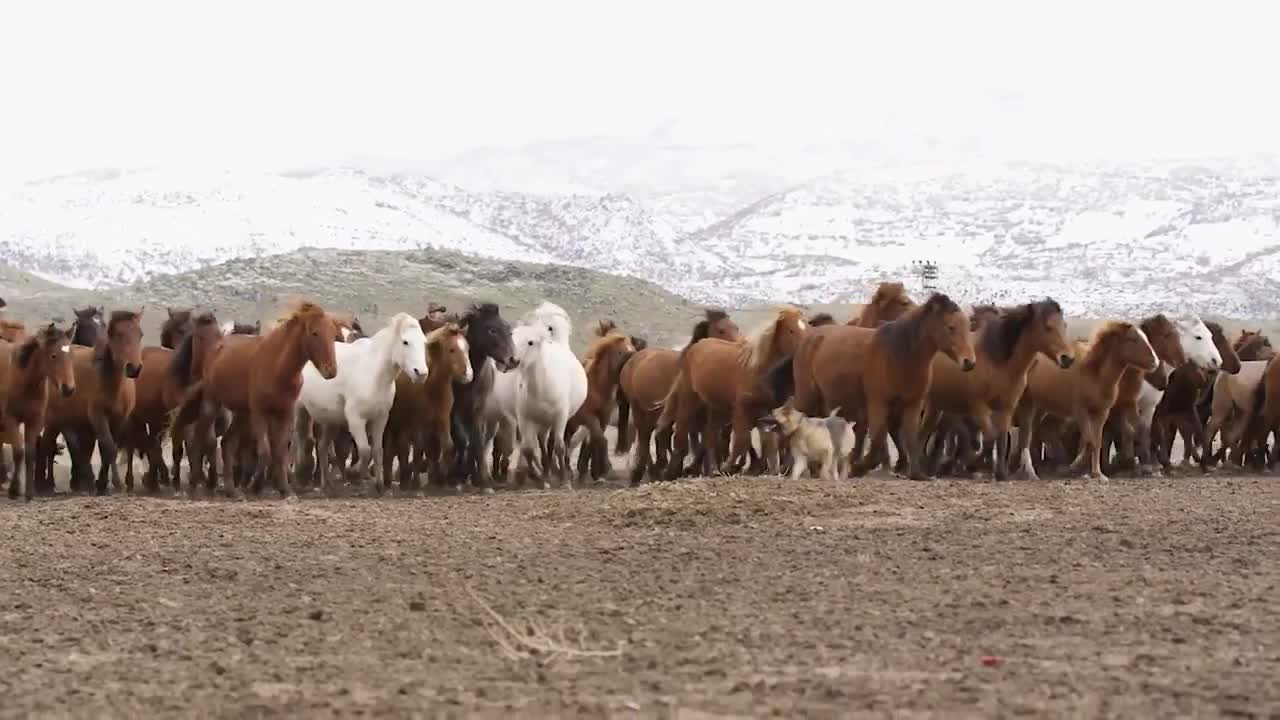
(312, 402)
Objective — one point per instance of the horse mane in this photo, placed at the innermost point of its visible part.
(822, 318)
(47, 336)
(600, 348)
(479, 311)
(759, 345)
(549, 308)
(7, 324)
(604, 327)
(442, 333)
(301, 310)
(702, 330)
(1103, 339)
(184, 355)
(999, 337)
(902, 335)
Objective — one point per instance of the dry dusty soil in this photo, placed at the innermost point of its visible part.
(1154, 598)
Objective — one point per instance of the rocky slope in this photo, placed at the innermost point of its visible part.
(1104, 240)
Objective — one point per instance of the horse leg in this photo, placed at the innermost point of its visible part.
(107, 452)
(1001, 421)
(530, 448)
(741, 439)
(278, 431)
(560, 449)
(909, 433)
(876, 427)
(642, 462)
(377, 432)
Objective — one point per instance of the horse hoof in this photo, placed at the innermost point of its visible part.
(290, 498)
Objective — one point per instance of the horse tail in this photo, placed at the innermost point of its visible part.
(626, 434)
(834, 412)
(670, 403)
(188, 411)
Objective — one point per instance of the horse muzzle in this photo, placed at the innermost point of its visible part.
(132, 370)
(328, 372)
(967, 364)
(419, 375)
(510, 364)
(1065, 361)
(67, 390)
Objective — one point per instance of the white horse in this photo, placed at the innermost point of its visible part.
(359, 397)
(498, 418)
(1197, 346)
(551, 386)
(554, 318)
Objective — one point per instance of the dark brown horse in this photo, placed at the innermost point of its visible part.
(644, 382)
(258, 379)
(889, 302)
(488, 337)
(27, 372)
(880, 377)
(104, 397)
(177, 326)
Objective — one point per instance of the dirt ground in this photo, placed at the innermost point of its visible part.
(738, 596)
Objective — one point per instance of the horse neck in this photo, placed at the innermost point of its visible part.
(283, 345)
(1024, 354)
(383, 344)
(438, 375)
(922, 348)
(1110, 370)
(111, 370)
(602, 378)
(26, 382)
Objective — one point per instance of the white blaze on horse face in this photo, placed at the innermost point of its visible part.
(64, 349)
(227, 327)
(1142, 334)
(803, 325)
(346, 334)
(465, 349)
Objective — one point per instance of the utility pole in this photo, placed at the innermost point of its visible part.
(927, 271)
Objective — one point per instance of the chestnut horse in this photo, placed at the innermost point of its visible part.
(873, 375)
(727, 381)
(419, 418)
(889, 302)
(258, 379)
(1084, 392)
(603, 363)
(647, 378)
(12, 331)
(1007, 344)
(104, 398)
(27, 371)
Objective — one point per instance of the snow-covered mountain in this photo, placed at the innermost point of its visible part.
(1103, 239)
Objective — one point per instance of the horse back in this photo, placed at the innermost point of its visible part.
(646, 378)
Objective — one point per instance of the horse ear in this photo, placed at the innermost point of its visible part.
(141, 310)
(170, 311)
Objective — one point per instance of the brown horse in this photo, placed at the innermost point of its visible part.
(873, 375)
(1007, 344)
(727, 381)
(1085, 392)
(177, 326)
(12, 331)
(420, 415)
(27, 371)
(603, 363)
(889, 303)
(1122, 426)
(258, 379)
(647, 378)
(104, 397)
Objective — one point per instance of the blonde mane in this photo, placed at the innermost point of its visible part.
(443, 333)
(758, 347)
(1103, 339)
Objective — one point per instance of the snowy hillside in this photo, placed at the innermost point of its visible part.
(1113, 240)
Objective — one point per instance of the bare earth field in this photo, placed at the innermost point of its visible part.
(705, 598)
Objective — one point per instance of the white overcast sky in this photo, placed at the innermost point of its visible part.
(92, 84)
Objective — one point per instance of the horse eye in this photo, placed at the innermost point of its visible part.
(406, 343)
(530, 343)
(1198, 337)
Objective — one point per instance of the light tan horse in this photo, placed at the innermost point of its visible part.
(1007, 344)
(27, 372)
(1084, 392)
(889, 303)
